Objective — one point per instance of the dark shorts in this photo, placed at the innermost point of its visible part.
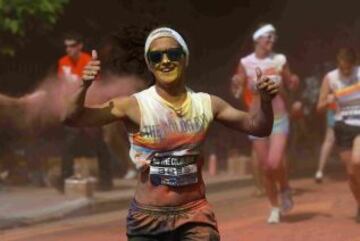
(194, 221)
(345, 134)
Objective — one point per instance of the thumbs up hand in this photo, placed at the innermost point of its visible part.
(267, 88)
(92, 69)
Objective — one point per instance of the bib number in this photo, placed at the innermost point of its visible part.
(174, 170)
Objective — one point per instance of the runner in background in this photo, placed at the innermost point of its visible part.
(342, 86)
(270, 151)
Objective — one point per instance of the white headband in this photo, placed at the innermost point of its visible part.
(263, 30)
(166, 32)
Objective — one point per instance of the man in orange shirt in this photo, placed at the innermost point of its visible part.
(70, 68)
(72, 64)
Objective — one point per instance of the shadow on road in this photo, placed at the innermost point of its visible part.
(302, 191)
(299, 217)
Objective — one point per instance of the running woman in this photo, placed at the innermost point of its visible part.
(342, 86)
(167, 124)
(269, 151)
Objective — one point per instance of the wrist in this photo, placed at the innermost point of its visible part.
(266, 99)
(86, 83)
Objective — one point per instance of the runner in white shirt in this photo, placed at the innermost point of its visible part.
(167, 125)
(342, 86)
(269, 151)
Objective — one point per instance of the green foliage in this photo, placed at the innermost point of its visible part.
(19, 18)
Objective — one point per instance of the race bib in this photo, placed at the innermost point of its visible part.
(173, 170)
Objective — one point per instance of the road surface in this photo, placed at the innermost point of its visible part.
(322, 212)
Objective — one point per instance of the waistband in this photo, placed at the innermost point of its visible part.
(136, 206)
(282, 116)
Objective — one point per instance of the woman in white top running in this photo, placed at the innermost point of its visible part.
(269, 151)
(167, 125)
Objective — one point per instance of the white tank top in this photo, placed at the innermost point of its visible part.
(170, 140)
(347, 92)
(271, 66)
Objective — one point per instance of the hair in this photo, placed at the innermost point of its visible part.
(122, 52)
(73, 36)
(262, 24)
(347, 54)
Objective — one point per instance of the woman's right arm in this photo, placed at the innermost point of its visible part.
(77, 114)
(85, 116)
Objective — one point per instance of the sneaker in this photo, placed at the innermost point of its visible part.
(130, 174)
(318, 177)
(274, 216)
(258, 193)
(287, 202)
(4, 175)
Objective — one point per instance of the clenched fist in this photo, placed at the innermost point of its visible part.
(92, 69)
(267, 88)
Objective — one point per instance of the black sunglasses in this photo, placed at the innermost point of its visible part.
(156, 56)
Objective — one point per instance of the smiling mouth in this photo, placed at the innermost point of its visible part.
(167, 69)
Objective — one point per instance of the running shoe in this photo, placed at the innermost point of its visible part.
(286, 201)
(130, 174)
(258, 193)
(274, 216)
(319, 177)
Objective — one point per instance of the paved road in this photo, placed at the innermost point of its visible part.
(323, 212)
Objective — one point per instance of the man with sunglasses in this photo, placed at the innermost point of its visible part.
(72, 64)
(167, 125)
(70, 68)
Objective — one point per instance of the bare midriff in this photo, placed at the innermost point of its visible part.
(166, 196)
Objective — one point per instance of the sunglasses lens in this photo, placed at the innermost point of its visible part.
(155, 56)
(174, 54)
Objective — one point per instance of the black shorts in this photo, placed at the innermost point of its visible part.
(345, 134)
(194, 221)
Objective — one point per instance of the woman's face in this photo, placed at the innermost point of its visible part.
(167, 60)
(267, 41)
